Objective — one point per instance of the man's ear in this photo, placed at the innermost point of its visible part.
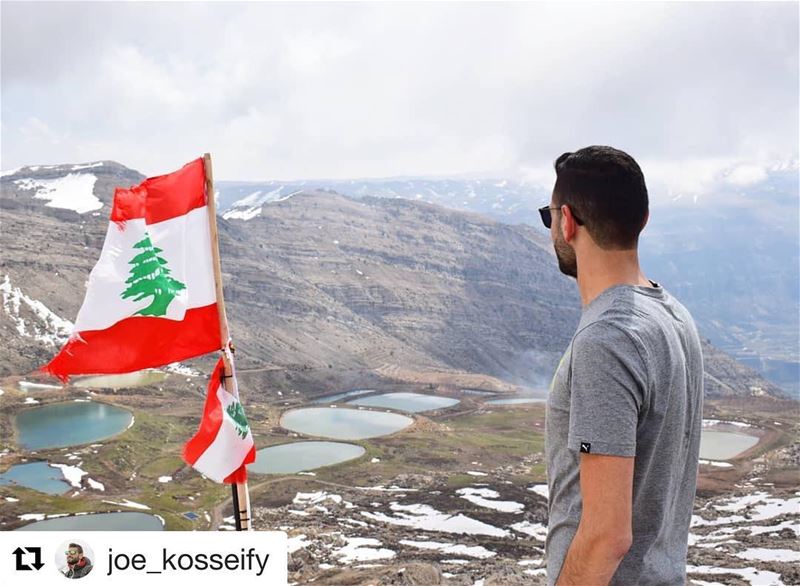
(568, 224)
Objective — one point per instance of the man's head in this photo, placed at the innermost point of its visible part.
(601, 190)
(74, 553)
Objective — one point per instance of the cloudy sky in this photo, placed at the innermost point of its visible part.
(306, 90)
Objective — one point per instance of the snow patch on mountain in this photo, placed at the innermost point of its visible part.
(74, 191)
(86, 166)
(43, 325)
(249, 207)
(242, 214)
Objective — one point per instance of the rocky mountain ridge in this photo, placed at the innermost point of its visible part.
(320, 282)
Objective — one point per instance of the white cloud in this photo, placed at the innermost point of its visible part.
(746, 174)
(352, 90)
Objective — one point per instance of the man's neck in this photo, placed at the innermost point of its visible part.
(607, 268)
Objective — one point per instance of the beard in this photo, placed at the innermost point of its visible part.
(567, 262)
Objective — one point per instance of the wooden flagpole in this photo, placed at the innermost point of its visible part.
(241, 496)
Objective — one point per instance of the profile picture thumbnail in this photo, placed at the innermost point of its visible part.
(74, 559)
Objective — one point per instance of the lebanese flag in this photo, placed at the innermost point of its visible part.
(223, 444)
(151, 298)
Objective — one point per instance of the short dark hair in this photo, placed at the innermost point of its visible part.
(605, 188)
(76, 546)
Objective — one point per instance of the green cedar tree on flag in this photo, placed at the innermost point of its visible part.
(150, 278)
(151, 297)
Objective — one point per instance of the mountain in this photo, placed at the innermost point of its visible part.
(507, 201)
(319, 284)
(731, 256)
(735, 260)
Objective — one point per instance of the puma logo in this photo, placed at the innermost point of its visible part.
(586, 448)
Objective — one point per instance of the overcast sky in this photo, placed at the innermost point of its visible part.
(375, 90)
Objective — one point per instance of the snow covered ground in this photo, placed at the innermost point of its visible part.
(359, 549)
(485, 497)
(426, 517)
(749, 535)
(715, 422)
(44, 325)
(72, 474)
(477, 551)
(130, 504)
(74, 191)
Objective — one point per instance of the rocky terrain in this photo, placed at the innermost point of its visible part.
(325, 294)
(729, 253)
(320, 283)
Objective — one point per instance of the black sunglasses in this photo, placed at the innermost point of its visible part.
(547, 217)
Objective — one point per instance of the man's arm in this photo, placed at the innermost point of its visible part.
(604, 532)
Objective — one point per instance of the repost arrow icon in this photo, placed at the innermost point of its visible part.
(37, 554)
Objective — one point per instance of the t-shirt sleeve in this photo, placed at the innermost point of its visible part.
(608, 384)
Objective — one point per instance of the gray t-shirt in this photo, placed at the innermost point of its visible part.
(630, 384)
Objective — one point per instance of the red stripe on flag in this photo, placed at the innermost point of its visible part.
(160, 198)
(239, 476)
(209, 422)
(138, 342)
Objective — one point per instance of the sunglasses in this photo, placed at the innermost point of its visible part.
(71, 552)
(547, 217)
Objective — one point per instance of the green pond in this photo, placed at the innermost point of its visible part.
(121, 381)
(411, 402)
(98, 522)
(336, 397)
(723, 445)
(516, 401)
(343, 424)
(71, 423)
(302, 456)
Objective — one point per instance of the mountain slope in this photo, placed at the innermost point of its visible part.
(731, 254)
(322, 283)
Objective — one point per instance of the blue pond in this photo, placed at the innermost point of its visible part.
(98, 522)
(516, 401)
(411, 402)
(336, 397)
(70, 424)
(36, 475)
(300, 456)
(347, 424)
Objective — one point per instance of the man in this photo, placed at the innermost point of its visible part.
(78, 565)
(625, 407)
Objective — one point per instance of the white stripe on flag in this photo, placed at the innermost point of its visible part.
(186, 246)
(228, 450)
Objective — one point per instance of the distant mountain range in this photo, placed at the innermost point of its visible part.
(732, 256)
(320, 282)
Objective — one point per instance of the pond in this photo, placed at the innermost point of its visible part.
(346, 424)
(477, 392)
(121, 381)
(411, 402)
(332, 398)
(516, 401)
(302, 456)
(98, 522)
(723, 445)
(61, 425)
(36, 475)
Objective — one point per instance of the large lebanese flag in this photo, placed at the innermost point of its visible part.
(223, 444)
(151, 298)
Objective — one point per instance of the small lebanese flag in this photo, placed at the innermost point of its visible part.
(223, 444)
(151, 298)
